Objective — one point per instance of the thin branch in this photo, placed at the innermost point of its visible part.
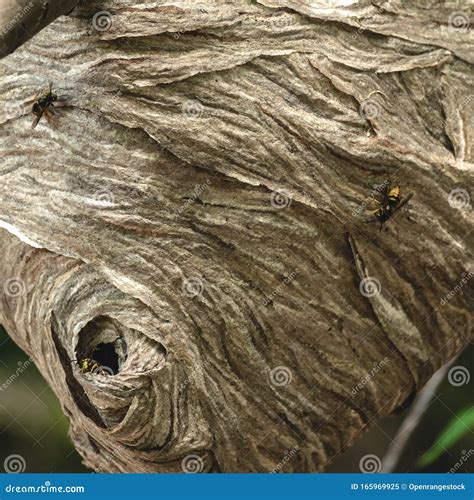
(411, 421)
(22, 19)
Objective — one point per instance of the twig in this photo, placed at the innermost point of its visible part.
(21, 19)
(411, 421)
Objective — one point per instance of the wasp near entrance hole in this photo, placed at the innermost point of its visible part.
(89, 365)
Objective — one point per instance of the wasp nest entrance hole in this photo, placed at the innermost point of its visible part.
(101, 347)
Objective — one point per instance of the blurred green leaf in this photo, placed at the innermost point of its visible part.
(459, 426)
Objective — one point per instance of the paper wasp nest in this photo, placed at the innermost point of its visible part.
(196, 216)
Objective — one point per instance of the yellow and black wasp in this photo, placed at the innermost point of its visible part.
(44, 104)
(100, 363)
(388, 202)
(87, 365)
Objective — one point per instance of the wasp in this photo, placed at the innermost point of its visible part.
(89, 365)
(388, 203)
(44, 105)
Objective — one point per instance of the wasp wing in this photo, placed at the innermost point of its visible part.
(37, 119)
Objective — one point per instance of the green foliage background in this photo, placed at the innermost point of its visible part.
(33, 425)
